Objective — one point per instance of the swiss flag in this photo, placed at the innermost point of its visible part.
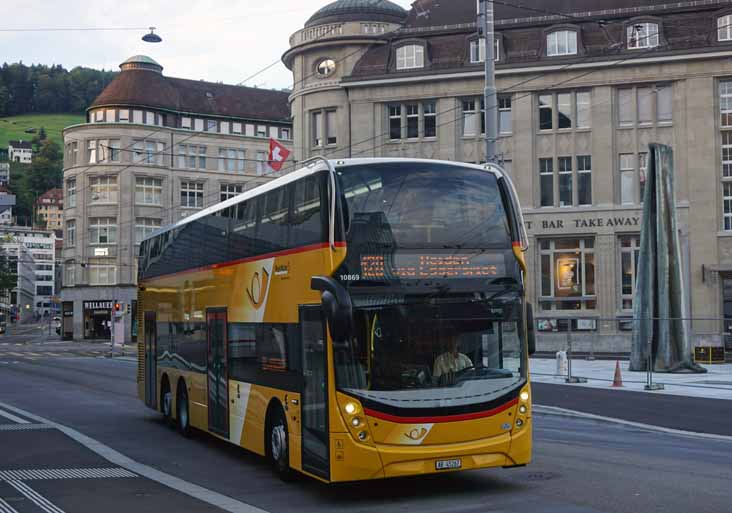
(277, 154)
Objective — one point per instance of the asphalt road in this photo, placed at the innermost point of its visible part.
(580, 466)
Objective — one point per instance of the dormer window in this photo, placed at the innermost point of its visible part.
(410, 57)
(724, 28)
(643, 35)
(477, 50)
(561, 42)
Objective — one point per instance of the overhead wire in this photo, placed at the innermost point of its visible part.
(635, 55)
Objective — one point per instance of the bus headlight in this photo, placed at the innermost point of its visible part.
(355, 422)
(519, 423)
(362, 435)
(350, 408)
(522, 408)
(524, 396)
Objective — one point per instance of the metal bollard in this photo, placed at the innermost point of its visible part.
(570, 378)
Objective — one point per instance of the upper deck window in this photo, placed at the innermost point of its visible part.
(395, 204)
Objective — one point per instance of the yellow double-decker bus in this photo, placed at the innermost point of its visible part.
(355, 319)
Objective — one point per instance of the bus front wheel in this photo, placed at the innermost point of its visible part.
(183, 412)
(278, 448)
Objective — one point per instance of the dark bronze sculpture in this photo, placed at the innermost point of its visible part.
(661, 326)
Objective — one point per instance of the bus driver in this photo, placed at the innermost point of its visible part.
(452, 360)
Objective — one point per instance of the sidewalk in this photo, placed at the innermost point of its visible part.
(715, 384)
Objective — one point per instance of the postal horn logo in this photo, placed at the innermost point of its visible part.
(416, 434)
(257, 289)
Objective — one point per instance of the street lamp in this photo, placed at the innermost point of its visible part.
(152, 37)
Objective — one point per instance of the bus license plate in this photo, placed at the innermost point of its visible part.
(448, 464)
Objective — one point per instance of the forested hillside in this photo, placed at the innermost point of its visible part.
(48, 89)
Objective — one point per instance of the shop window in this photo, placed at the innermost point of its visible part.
(629, 255)
(567, 274)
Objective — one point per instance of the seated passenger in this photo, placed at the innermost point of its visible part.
(451, 361)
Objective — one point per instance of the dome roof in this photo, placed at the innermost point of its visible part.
(358, 10)
(141, 62)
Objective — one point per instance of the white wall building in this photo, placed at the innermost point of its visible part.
(20, 151)
(40, 245)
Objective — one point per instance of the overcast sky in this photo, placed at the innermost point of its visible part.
(216, 40)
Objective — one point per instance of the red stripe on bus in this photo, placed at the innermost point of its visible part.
(444, 418)
(516, 244)
(302, 249)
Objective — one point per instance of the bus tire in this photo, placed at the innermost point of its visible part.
(277, 443)
(183, 412)
(166, 402)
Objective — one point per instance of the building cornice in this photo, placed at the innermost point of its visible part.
(391, 80)
(103, 106)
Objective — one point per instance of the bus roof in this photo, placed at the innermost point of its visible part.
(311, 168)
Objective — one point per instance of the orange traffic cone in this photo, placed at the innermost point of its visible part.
(618, 379)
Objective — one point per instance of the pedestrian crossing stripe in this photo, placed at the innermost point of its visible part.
(65, 473)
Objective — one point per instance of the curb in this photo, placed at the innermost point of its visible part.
(554, 410)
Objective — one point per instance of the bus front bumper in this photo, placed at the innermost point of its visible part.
(354, 461)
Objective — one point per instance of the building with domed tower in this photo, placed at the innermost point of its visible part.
(153, 149)
(584, 87)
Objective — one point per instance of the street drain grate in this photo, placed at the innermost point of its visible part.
(542, 476)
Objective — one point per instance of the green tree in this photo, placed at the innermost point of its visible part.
(8, 274)
(39, 137)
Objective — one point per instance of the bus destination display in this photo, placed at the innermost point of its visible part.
(417, 266)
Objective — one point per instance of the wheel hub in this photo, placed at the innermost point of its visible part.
(279, 442)
(184, 414)
(167, 402)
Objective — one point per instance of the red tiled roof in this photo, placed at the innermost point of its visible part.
(55, 195)
(147, 88)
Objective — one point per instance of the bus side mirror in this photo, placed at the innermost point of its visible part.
(336, 304)
(530, 333)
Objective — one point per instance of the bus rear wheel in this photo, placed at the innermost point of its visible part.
(278, 448)
(183, 412)
(166, 402)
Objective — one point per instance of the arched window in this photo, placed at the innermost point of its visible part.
(410, 57)
(724, 28)
(643, 35)
(561, 42)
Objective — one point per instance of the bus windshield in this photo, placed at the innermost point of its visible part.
(461, 351)
(424, 205)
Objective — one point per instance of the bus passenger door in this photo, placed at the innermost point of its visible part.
(151, 367)
(218, 376)
(314, 410)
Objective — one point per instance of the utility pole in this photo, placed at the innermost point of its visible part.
(485, 24)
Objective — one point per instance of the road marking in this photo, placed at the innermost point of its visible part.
(193, 490)
(648, 427)
(6, 508)
(24, 427)
(35, 497)
(65, 473)
(12, 417)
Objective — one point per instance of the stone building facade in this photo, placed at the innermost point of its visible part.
(584, 87)
(153, 149)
